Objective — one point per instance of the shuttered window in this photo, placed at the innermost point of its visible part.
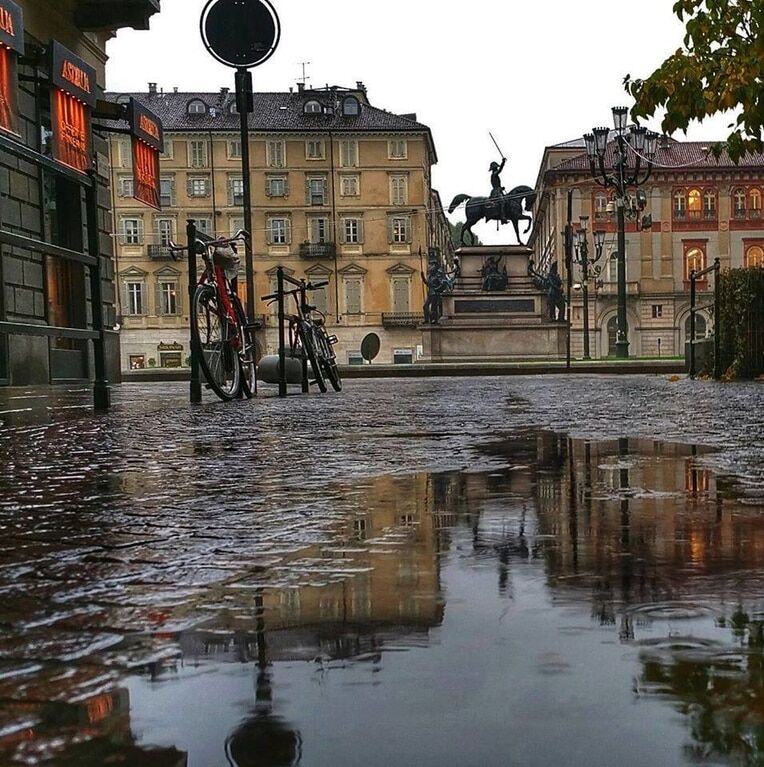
(348, 154)
(401, 295)
(278, 231)
(197, 154)
(168, 298)
(131, 231)
(134, 300)
(399, 192)
(353, 289)
(352, 231)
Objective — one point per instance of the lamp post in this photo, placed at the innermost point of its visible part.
(643, 146)
(589, 266)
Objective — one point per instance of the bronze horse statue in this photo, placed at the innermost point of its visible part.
(490, 208)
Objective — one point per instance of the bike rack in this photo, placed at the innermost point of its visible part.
(282, 278)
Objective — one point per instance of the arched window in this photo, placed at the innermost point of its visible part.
(351, 106)
(739, 199)
(701, 327)
(680, 204)
(754, 208)
(600, 207)
(694, 260)
(694, 204)
(754, 256)
(196, 107)
(709, 203)
(312, 108)
(612, 334)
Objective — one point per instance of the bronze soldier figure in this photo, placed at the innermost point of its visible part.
(497, 190)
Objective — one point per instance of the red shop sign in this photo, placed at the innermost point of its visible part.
(148, 142)
(11, 44)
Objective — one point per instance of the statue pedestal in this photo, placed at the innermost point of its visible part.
(486, 326)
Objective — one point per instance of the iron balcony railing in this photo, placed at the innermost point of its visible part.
(159, 253)
(318, 250)
(401, 319)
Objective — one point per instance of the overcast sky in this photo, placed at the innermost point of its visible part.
(534, 73)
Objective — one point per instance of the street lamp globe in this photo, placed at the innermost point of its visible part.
(591, 149)
(599, 239)
(600, 140)
(620, 116)
(638, 135)
(651, 144)
(584, 222)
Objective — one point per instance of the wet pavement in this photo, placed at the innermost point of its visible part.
(539, 571)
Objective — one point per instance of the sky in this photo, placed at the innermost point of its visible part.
(533, 74)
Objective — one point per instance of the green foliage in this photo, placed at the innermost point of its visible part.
(456, 233)
(720, 67)
(741, 323)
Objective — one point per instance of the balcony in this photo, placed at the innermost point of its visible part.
(318, 250)
(97, 15)
(160, 253)
(611, 288)
(401, 319)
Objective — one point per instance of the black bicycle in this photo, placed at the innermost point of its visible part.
(308, 339)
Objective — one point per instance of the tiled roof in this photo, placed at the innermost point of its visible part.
(281, 112)
(675, 156)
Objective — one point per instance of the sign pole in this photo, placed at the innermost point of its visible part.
(195, 391)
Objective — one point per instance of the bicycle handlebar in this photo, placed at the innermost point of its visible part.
(205, 242)
(295, 291)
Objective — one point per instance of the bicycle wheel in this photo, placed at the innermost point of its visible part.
(248, 354)
(309, 348)
(327, 359)
(214, 338)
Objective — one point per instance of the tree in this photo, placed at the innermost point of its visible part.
(456, 233)
(720, 67)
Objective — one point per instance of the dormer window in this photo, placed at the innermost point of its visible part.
(196, 107)
(313, 108)
(351, 106)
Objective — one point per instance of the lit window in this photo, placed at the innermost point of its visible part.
(694, 204)
(694, 261)
(754, 257)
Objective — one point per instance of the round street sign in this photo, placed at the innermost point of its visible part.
(370, 346)
(240, 33)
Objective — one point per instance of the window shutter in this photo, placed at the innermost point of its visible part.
(343, 231)
(158, 306)
(286, 187)
(269, 232)
(400, 295)
(353, 296)
(140, 230)
(360, 230)
(288, 228)
(307, 192)
(125, 298)
(230, 191)
(407, 222)
(144, 299)
(390, 230)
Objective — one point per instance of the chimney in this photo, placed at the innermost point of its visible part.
(224, 92)
(360, 86)
(175, 89)
(152, 89)
(300, 87)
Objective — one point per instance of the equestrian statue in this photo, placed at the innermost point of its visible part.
(500, 205)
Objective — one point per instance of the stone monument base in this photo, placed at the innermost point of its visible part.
(495, 326)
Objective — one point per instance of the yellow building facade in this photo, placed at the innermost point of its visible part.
(341, 193)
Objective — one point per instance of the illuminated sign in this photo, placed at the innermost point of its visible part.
(72, 98)
(148, 142)
(11, 26)
(11, 43)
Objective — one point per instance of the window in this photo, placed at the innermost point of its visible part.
(234, 150)
(132, 231)
(320, 296)
(236, 191)
(701, 327)
(709, 204)
(355, 358)
(754, 200)
(754, 257)
(204, 225)
(348, 154)
(399, 230)
(168, 153)
(135, 298)
(401, 303)
(123, 154)
(611, 268)
(657, 311)
(314, 149)
(312, 108)
(351, 106)
(126, 186)
(359, 529)
(352, 231)
(318, 230)
(197, 154)
(397, 149)
(164, 231)
(278, 230)
(600, 207)
(316, 191)
(399, 193)
(350, 186)
(166, 192)
(235, 224)
(275, 154)
(167, 297)
(739, 199)
(680, 204)
(694, 204)
(353, 291)
(137, 362)
(197, 107)
(276, 186)
(199, 186)
(694, 260)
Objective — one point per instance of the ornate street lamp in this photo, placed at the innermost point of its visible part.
(589, 267)
(634, 148)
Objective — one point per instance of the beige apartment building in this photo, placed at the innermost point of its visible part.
(341, 192)
(702, 208)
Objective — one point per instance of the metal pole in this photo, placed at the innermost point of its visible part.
(569, 269)
(282, 350)
(692, 324)
(244, 102)
(101, 394)
(717, 321)
(305, 382)
(195, 391)
(585, 291)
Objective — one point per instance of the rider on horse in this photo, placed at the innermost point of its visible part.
(497, 190)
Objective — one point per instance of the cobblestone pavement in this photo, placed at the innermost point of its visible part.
(120, 533)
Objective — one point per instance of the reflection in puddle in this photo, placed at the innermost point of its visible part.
(502, 616)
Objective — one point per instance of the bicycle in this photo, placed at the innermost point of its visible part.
(308, 338)
(223, 340)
